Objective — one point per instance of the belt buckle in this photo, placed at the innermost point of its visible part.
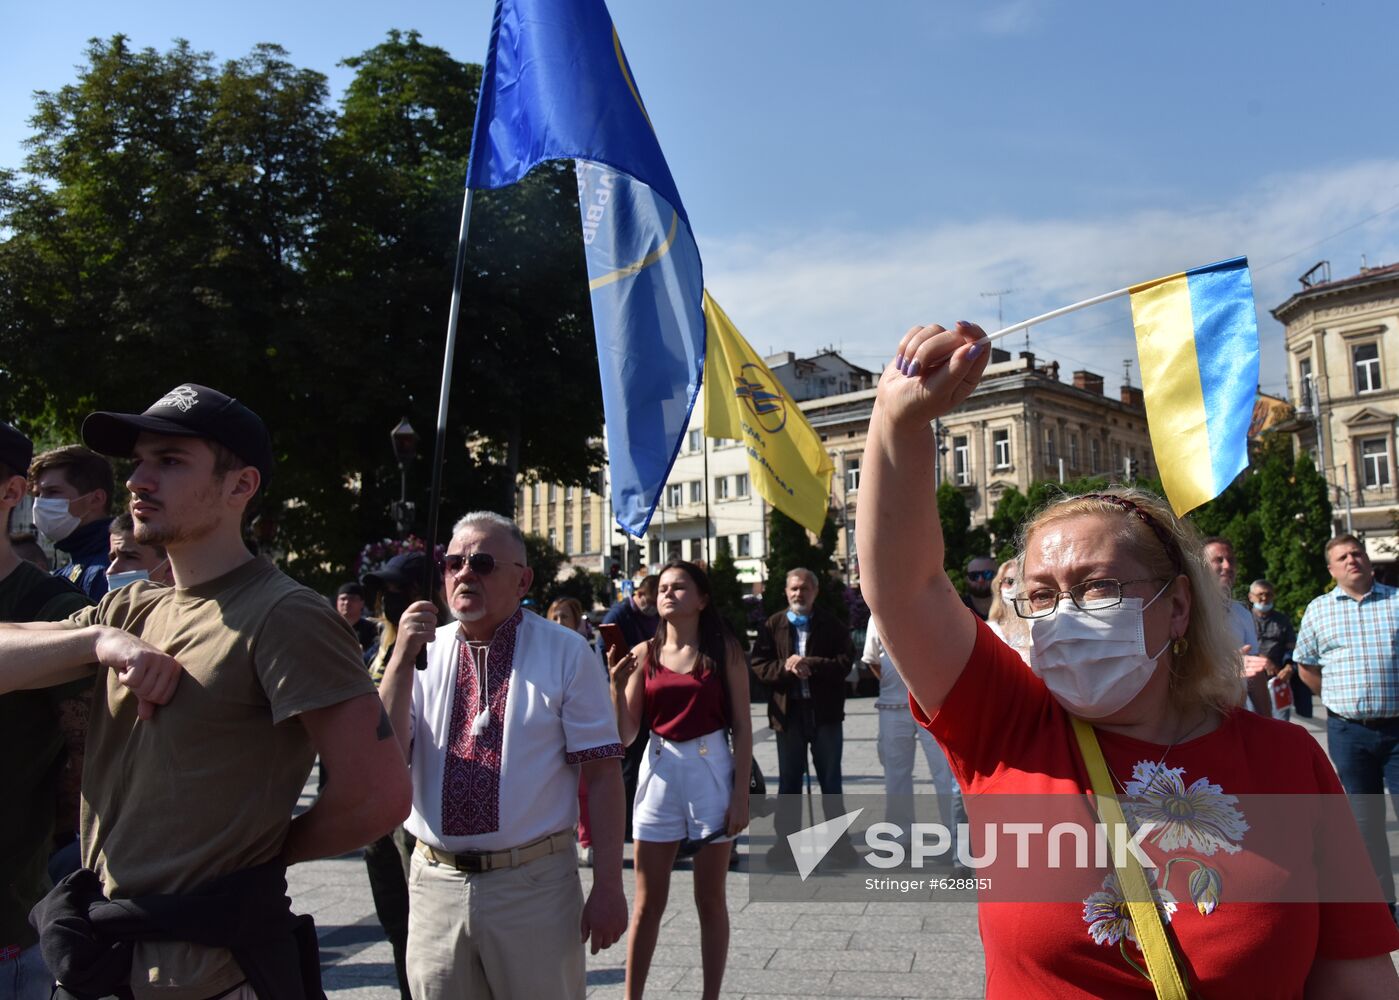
(473, 864)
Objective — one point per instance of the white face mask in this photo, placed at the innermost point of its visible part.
(1094, 662)
(116, 581)
(51, 516)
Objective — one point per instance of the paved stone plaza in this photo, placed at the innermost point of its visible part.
(778, 949)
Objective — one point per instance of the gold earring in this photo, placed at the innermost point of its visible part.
(1179, 645)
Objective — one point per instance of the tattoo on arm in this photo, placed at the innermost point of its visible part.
(384, 731)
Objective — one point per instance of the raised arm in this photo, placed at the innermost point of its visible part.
(923, 623)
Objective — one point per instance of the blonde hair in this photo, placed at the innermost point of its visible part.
(1208, 671)
(570, 604)
(1002, 613)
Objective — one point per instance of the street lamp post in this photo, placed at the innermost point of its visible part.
(405, 447)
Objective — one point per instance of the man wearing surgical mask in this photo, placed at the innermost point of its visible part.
(129, 561)
(72, 487)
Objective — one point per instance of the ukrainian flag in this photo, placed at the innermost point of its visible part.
(1197, 344)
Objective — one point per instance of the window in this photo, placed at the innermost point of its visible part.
(1051, 450)
(655, 550)
(696, 549)
(696, 440)
(721, 487)
(1095, 453)
(1304, 383)
(721, 544)
(568, 539)
(674, 495)
(1000, 445)
(1366, 360)
(1374, 460)
(672, 550)
(961, 461)
(696, 491)
(588, 486)
(587, 538)
(1073, 450)
(538, 491)
(741, 488)
(852, 473)
(568, 492)
(553, 492)
(554, 537)
(745, 544)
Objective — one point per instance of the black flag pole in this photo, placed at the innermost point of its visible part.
(439, 448)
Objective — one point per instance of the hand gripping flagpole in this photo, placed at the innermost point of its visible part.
(439, 449)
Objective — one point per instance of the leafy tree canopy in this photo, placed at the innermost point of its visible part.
(181, 221)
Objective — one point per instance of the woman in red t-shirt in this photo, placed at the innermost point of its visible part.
(1127, 632)
(693, 683)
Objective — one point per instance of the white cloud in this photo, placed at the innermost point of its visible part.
(860, 290)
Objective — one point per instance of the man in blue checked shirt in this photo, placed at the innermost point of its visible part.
(1350, 637)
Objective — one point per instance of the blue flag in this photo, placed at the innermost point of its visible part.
(557, 86)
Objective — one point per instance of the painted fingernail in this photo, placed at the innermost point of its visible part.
(976, 350)
(913, 368)
(899, 361)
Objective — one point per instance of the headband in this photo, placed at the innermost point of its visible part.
(1162, 535)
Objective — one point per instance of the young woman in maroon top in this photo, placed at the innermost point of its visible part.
(693, 682)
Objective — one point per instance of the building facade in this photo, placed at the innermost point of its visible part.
(1342, 341)
(1022, 423)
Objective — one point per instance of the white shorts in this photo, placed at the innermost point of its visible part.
(684, 789)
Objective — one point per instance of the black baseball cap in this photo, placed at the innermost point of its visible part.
(352, 588)
(16, 450)
(187, 410)
(405, 569)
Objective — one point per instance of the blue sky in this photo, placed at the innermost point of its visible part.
(852, 168)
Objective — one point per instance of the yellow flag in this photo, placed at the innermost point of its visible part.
(743, 400)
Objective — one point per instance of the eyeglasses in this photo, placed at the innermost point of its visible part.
(981, 574)
(1091, 595)
(480, 563)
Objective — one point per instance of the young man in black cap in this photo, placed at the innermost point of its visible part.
(349, 604)
(41, 734)
(190, 779)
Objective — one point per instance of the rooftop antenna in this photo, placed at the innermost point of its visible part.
(1127, 371)
(999, 295)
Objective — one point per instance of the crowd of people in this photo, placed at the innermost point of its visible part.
(165, 692)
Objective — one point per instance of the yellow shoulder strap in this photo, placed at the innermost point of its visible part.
(1146, 918)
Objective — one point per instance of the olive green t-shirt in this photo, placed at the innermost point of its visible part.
(208, 785)
(31, 746)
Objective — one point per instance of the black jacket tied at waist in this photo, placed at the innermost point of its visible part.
(87, 939)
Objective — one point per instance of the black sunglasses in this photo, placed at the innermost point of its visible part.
(981, 574)
(480, 563)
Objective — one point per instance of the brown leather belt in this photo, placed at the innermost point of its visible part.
(476, 862)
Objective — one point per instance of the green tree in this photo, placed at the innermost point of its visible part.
(1012, 510)
(1295, 518)
(224, 225)
(546, 560)
(726, 592)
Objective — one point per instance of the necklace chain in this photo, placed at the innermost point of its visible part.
(1161, 761)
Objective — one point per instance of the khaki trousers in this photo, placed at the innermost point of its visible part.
(512, 934)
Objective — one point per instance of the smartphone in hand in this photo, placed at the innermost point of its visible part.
(612, 637)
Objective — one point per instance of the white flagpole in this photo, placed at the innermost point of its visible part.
(1056, 313)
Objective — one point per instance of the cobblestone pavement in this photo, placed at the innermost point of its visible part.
(777, 949)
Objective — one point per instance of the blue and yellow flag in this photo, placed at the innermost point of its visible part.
(786, 460)
(1197, 344)
(557, 86)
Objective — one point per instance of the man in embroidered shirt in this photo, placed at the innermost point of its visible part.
(496, 729)
(1350, 638)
